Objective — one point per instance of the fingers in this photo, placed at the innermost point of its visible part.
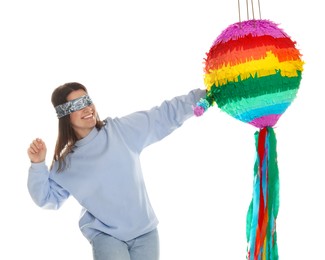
(37, 151)
(36, 146)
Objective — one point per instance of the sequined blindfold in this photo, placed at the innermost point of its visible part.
(72, 106)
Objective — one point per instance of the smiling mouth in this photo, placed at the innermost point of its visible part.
(88, 116)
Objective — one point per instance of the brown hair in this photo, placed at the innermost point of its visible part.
(66, 136)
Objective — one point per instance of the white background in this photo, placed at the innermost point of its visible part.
(132, 55)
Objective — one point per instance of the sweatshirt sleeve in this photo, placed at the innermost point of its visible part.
(44, 191)
(143, 128)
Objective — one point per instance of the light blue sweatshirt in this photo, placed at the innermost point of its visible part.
(104, 173)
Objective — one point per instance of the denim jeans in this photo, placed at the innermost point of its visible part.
(145, 247)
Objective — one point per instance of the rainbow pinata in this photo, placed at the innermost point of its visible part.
(253, 72)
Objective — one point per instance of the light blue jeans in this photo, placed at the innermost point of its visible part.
(145, 247)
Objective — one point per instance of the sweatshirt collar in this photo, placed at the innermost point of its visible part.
(92, 134)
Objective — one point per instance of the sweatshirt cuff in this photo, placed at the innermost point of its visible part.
(39, 167)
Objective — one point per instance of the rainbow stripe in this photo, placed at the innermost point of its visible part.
(253, 72)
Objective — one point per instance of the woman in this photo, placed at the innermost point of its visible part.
(97, 162)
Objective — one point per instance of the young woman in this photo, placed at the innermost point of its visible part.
(97, 162)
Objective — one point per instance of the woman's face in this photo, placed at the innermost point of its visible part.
(84, 120)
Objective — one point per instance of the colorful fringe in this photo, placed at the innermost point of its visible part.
(264, 207)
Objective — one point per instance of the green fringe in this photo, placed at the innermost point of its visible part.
(251, 87)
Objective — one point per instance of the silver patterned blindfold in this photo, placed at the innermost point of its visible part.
(73, 105)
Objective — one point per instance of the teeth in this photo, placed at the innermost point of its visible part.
(88, 116)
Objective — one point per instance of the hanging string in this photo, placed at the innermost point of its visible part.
(239, 11)
(259, 9)
(253, 14)
(247, 10)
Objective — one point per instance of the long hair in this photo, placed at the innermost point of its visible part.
(66, 136)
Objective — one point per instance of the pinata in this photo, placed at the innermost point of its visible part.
(253, 72)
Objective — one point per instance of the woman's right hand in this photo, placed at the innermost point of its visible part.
(37, 151)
